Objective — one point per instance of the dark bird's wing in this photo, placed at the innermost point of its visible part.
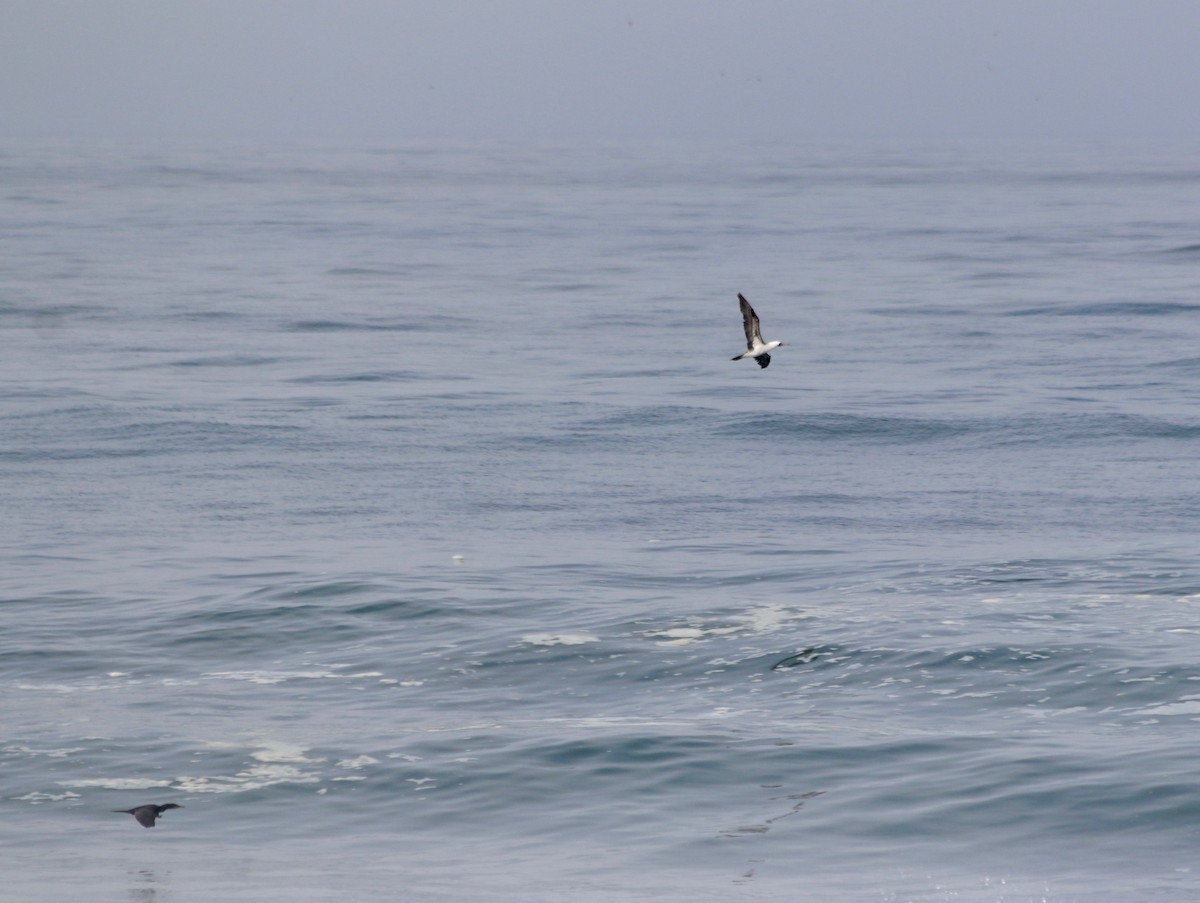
(763, 360)
(146, 815)
(750, 322)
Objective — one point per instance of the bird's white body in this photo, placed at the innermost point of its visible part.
(759, 349)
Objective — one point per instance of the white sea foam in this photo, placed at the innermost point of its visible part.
(559, 639)
(272, 677)
(61, 753)
(278, 751)
(116, 783)
(254, 778)
(357, 762)
(764, 619)
(1189, 707)
(37, 797)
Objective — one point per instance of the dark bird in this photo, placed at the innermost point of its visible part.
(148, 814)
(755, 346)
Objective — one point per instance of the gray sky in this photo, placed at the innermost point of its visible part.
(549, 69)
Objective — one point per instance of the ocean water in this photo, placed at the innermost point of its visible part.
(399, 512)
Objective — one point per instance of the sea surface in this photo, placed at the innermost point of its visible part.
(398, 511)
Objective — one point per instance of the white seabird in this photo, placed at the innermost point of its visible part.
(755, 346)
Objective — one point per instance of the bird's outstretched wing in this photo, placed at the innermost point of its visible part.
(763, 360)
(750, 322)
(146, 815)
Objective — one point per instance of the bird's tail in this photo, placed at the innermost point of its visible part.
(737, 357)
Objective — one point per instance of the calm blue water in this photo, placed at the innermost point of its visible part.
(913, 614)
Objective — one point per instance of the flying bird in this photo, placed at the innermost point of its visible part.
(755, 346)
(148, 814)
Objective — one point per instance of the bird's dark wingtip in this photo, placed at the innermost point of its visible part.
(763, 360)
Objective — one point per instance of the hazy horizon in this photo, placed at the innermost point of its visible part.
(537, 69)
